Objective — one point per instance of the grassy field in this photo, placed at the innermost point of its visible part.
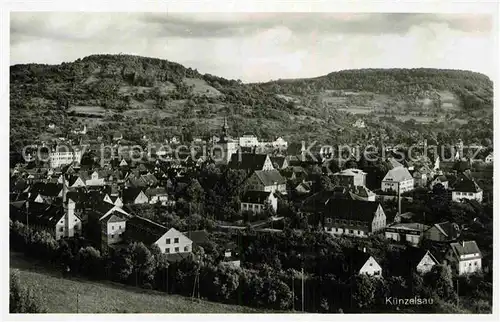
(60, 295)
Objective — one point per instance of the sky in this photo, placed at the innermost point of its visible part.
(258, 47)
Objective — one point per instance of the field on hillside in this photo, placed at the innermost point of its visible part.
(60, 295)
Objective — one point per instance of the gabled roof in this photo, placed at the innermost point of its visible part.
(247, 161)
(466, 248)
(395, 164)
(145, 230)
(130, 194)
(199, 237)
(356, 259)
(156, 192)
(270, 177)
(350, 172)
(464, 184)
(278, 162)
(257, 197)
(448, 229)
(358, 210)
(46, 189)
(397, 175)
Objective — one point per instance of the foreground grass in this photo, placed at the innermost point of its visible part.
(59, 295)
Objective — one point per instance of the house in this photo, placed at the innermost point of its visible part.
(95, 180)
(170, 241)
(360, 262)
(303, 188)
(198, 237)
(351, 177)
(489, 158)
(76, 182)
(279, 163)
(439, 179)
(106, 224)
(267, 180)
(231, 255)
(280, 144)
(248, 141)
(135, 196)
(442, 232)
(362, 193)
(398, 180)
(114, 200)
(466, 188)
(464, 257)
(61, 155)
(415, 259)
(157, 195)
(258, 201)
(422, 175)
(407, 232)
(45, 192)
(353, 217)
(117, 136)
(250, 162)
(359, 124)
(123, 163)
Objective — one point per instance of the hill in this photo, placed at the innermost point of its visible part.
(60, 295)
(159, 98)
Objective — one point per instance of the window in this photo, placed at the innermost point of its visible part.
(76, 220)
(186, 248)
(328, 220)
(168, 240)
(167, 250)
(176, 240)
(112, 236)
(351, 231)
(376, 273)
(120, 226)
(112, 227)
(61, 229)
(176, 249)
(371, 264)
(475, 263)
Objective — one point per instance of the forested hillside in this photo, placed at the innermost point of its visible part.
(154, 97)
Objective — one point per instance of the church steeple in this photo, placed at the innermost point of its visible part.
(223, 134)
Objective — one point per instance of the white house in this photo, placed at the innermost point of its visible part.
(489, 158)
(249, 141)
(267, 180)
(170, 241)
(60, 156)
(398, 180)
(279, 143)
(464, 257)
(95, 180)
(360, 262)
(257, 201)
(466, 188)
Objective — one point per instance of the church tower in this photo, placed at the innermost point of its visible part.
(226, 147)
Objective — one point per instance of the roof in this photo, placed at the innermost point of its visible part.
(145, 230)
(129, 194)
(448, 229)
(398, 174)
(409, 226)
(278, 162)
(270, 177)
(350, 172)
(363, 191)
(177, 257)
(395, 164)
(199, 237)
(466, 248)
(247, 161)
(464, 184)
(440, 178)
(155, 192)
(359, 210)
(356, 259)
(46, 189)
(258, 197)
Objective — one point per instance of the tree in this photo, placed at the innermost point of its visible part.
(440, 280)
(363, 293)
(22, 299)
(142, 262)
(90, 261)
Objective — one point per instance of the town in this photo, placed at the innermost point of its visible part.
(262, 224)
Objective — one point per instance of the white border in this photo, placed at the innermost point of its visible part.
(439, 6)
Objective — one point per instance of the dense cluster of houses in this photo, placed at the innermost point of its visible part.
(67, 198)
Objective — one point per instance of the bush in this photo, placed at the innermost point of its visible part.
(21, 299)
